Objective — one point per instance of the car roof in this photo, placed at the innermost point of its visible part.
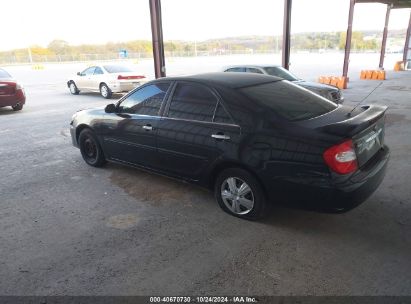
(231, 80)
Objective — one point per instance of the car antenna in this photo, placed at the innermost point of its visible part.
(349, 114)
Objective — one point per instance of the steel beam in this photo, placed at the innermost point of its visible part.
(286, 34)
(384, 36)
(407, 47)
(157, 38)
(348, 38)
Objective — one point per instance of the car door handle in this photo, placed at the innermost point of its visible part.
(220, 136)
(148, 127)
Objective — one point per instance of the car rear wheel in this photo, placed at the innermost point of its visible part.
(73, 88)
(240, 194)
(90, 149)
(105, 91)
(17, 107)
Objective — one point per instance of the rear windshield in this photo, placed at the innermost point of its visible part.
(4, 74)
(117, 69)
(289, 100)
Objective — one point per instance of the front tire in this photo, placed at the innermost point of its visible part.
(240, 194)
(90, 149)
(105, 91)
(73, 88)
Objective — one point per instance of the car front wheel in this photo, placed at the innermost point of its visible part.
(73, 88)
(240, 194)
(90, 149)
(105, 91)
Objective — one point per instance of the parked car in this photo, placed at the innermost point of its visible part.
(106, 79)
(252, 138)
(11, 92)
(330, 92)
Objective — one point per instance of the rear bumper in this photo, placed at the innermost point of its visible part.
(353, 191)
(12, 100)
(124, 86)
(315, 189)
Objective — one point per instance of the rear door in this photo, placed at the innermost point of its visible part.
(195, 130)
(96, 79)
(130, 134)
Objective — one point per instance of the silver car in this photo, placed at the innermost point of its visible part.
(330, 92)
(106, 79)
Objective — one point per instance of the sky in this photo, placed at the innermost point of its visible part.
(38, 22)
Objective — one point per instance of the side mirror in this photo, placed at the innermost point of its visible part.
(110, 108)
(79, 73)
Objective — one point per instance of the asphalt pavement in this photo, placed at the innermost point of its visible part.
(70, 229)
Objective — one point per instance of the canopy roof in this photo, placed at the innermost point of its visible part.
(394, 3)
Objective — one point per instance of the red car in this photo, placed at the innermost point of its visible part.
(11, 93)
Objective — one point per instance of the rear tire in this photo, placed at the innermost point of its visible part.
(73, 88)
(105, 91)
(240, 194)
(17, 107)
(90, 148)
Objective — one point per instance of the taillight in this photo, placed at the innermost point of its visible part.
(121, 77)
(341, 158)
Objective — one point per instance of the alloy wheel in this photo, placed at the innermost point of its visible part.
(237, 195)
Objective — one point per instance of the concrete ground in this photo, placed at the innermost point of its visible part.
(70, 229)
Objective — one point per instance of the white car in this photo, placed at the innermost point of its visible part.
(106, 79)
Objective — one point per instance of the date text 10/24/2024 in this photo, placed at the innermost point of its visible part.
(203, 299)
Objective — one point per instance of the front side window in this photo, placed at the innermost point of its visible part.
(289, 100)
(98, 71)
(88, 72)
(193, 102)
(221, 115)
(145, 101)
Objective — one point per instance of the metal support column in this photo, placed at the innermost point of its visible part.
(348, 38)
(286, 34)
(157, 38)
(384, 37)
(407, 47)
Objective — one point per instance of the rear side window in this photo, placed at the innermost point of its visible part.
(254, 70)
(289, 100)
(4, 74)
(221, 115)
(193, 102)
(239, 69)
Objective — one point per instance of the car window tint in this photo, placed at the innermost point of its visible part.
(289, 100)
(98, 71)
(221, 115)
(236, 70)
(281, 72)
(4, 74)
(253, 70)
(145, 101)
(193, 102)
(117, 69)
(89, 71)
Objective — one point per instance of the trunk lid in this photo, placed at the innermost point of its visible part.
(365, 126)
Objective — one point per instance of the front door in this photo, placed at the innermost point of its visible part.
(130, 133)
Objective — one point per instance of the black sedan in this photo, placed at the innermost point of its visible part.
(253, 139)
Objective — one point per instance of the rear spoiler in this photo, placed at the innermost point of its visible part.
(369, 115)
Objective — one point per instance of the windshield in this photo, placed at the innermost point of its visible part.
(117, 69)
(4, 74)
(288, 100)
(281, 72)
